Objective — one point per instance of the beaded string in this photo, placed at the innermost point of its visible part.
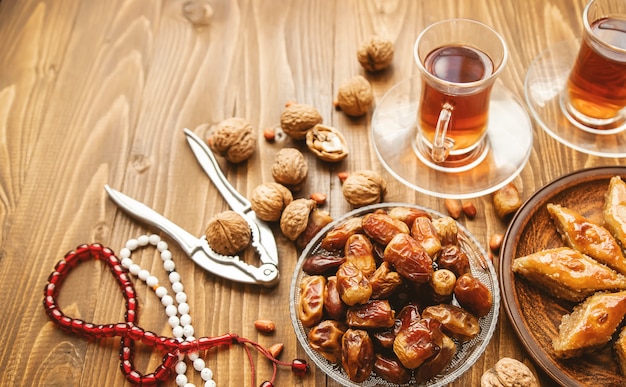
(174, 348)
(178, 316)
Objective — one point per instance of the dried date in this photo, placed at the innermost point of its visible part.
(357, 354)
(360, 252)
(311, 305)
(408, 214)
(391, 369)
(451, 257)
(409, 258)
(326, 337)
(336, 238)
(473, 295)
(333, 305)
(455, 322)
(382, 227)
(354, 288)
(322, 264)
(425, 233)
(384, 281)
(433, 366)
(417, 342)
(374, 314)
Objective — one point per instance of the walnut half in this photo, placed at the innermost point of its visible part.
(327, 143)
(509, 372)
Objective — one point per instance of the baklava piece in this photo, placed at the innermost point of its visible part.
(615, 209)
(568, 274)
(590, 325)
(587, 237)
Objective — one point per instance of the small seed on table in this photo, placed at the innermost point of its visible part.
(266, 326)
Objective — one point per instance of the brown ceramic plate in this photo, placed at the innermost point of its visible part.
(535, 315)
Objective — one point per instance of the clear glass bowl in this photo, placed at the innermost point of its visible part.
(467, 352)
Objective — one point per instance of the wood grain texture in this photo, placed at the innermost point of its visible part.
(98, 92)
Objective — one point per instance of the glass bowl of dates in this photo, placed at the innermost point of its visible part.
(394, 294)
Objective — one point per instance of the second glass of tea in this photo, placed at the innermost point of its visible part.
(459, 61)
(594, 98)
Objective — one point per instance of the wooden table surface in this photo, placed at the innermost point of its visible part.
(98, 92)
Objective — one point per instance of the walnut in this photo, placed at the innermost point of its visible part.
(228, 232)
(509, 372)
(364, 187)
(295, 217)
(289, 168)
(233, 139)
(375, 54)
(327, 143)
(355, 96)
(297, 119)
(269, 200)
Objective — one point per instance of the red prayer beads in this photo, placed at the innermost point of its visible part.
(128, 331)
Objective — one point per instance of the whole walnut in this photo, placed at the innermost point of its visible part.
(298, 118)
(375, 54)
(228, 232)
(295, 217)
(268, 200)
(233, 139)
(364, 187)
(290, 167)
(355, 96)
(509, 372)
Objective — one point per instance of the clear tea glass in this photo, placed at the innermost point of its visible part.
(595, 95)
(459, 61)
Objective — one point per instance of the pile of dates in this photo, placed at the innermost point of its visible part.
(391, 293)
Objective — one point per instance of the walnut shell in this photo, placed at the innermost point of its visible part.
(298, 118)
(364, 187)
(375, 54)
(228, 232)
(327, 143)
(295, 217)
(268, 200)
(355, 96)
(509, 372)
(233, 139)
(290, 167)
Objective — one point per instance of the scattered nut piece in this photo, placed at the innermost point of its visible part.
(509, 372)
(375, 54)
(233, 139)
(290, 167)
(269, 134)
(276, 349)
(295, 218)
(266, 326)
(228, 232)
(364, 187)
(495, 242)
(454, 207)
(468, 209)
(506, 200)
(342, 176)
(297, 119)
(319, 198)
(268, 200)
(327, 143)
(355, 96)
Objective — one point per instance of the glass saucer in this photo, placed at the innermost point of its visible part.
(545, 80)
(509, 141)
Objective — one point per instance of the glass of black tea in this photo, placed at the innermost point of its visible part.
(595, 95)
(459, 61)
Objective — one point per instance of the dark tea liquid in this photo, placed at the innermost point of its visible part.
(468, 123)
(597, 83)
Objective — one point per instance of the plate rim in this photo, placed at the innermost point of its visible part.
(507, 284)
